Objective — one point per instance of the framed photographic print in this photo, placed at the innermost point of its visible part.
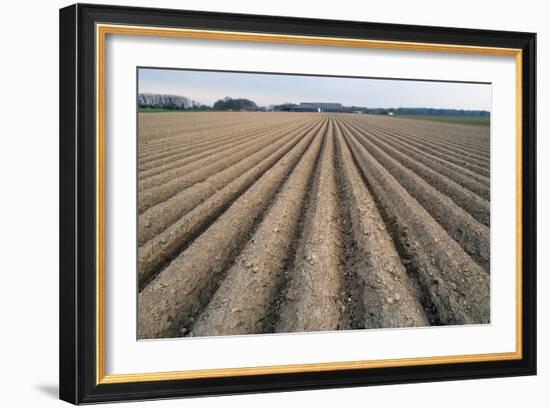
(257, 203)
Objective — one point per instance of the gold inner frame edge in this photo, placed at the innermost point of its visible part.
(101, 32)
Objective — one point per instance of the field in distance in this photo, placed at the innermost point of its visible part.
(252, 222)
(473, 120)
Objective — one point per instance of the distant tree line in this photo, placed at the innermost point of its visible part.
(178, 102)
(285, 107)
(237, 104)
(166, 101)
(396, 111)
(427, 112)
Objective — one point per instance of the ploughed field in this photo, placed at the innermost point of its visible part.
(255, 223)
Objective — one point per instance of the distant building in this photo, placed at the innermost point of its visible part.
(321, 106)
(300, 108)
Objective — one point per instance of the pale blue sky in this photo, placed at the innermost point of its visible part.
(267, 89)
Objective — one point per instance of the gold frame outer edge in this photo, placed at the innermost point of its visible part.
(101, 32)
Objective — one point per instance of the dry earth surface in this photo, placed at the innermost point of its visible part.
(255, 223)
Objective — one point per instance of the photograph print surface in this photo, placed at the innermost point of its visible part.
(279, 203)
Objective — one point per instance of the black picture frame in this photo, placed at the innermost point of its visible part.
(78, 309)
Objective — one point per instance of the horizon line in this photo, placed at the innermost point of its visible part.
(315, 102)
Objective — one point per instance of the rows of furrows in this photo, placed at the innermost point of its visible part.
(258, 223)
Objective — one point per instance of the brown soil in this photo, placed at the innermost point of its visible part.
(244, 299)
(281, 222)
